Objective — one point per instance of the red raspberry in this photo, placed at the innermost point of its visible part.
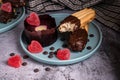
(35, 47)
(33, 19)
(15, 61)
(6, 7)
(63, 54)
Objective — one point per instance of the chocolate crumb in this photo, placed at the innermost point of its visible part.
(25, 56)
(12, 54)
(36, 70)
(24, 63)
(52, 48)
(47, 69)
(50, 56)
(91, 35)
(51, 53)
(89, 47)
(45, 52)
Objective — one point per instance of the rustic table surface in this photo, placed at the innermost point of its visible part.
(104, 65)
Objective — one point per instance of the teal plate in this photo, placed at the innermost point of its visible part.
(95, 38)
(13, 22)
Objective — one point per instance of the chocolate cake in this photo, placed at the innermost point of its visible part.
(45, 37)
(15, 3)
(6, 12)
(78, 40)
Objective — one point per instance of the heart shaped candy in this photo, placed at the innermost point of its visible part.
(15, 61)
(35, 47)
(33, 19)
(6, 7)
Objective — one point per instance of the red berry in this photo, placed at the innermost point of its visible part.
(33, 19)
(35, 47)
(63, 54)
(6, 7)
(15, 61)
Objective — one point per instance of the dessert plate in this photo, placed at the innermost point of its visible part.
(20, 14)
(95, 39)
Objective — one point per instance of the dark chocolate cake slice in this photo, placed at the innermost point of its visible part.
(78, 40)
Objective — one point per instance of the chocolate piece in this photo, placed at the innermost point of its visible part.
(25, 56)
(47, 69)
(91, 35)
(52, 48)
(24, 63)
(51, 53)
(6, 16)
(50, 56)
(78, 40)
(89, 47)
(45, 52)
(45, 37)
(12, 54)
(36, 70)
(15, 3)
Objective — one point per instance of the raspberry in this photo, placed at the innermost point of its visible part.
(15, 61)
(35, 47)
(6, 7)
(63, 54)
(33, 19)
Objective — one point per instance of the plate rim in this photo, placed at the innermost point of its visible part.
(16, 22)
(63, 62)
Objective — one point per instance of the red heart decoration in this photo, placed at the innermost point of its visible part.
(63, 54)
(6, 7)
(35, 47)
(15, 61)
(33, 19)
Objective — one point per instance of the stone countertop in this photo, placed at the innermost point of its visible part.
(104, 65)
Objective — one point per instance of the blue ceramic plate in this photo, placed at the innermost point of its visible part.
(95, 38)
(20, 14)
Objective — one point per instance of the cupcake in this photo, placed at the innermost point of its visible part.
(6, 12)
(41, 28)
